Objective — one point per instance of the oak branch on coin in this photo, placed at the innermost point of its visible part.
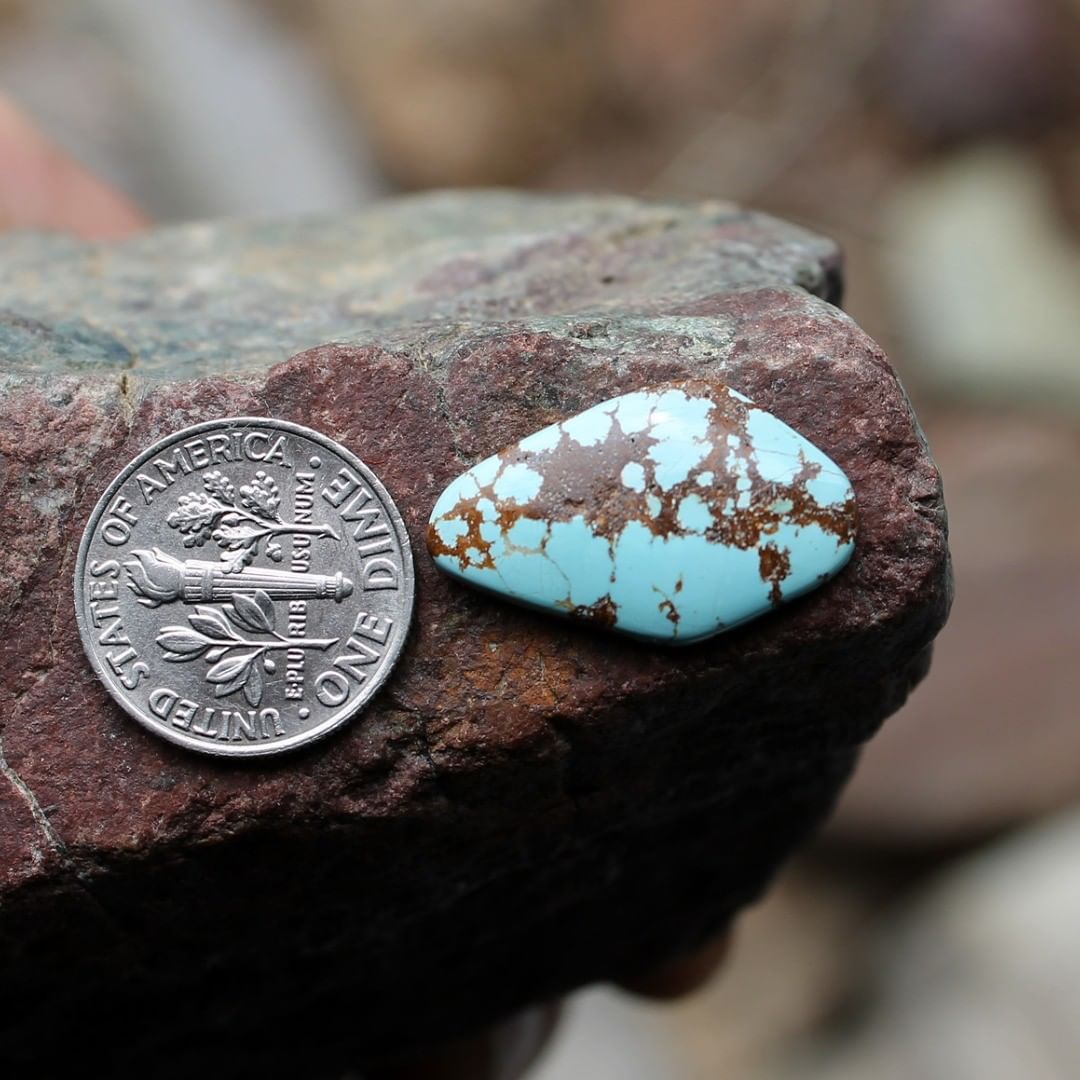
(237, 523)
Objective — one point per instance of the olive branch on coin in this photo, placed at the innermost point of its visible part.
(237, 522)
(218, 634)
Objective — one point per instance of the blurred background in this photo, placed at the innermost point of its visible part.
(934, 929)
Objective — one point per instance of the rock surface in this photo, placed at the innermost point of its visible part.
(526, 806)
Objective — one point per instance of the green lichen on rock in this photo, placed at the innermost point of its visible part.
(200, 299)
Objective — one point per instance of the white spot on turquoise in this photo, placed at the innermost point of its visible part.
(679, 425)
(669, 514)
(633, 476)
(694, 516)
(449, 529)
(484, 473)
(528, 534)
(632, 411)
(517, 483)
(544, 439)
(589, 428)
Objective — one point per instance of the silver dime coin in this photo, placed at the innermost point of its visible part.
(244, 586)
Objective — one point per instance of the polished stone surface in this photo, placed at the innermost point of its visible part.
(672, 514)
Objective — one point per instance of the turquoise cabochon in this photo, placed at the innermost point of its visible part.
(671, 513)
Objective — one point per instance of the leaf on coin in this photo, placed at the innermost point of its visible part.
(232, 668)
(232, 537)
(216, 653)
(181, 643)
(198, 537)
(217, 483)
(261, 496)
(252, 615)
(253, 685)
(212, 623)
(232, 686)
(194, 512)
(233, 564)
(266, 605)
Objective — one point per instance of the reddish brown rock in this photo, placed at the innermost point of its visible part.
(527, 805)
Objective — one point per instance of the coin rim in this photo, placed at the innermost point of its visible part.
(242, 750)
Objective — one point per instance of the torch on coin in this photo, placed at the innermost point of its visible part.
(158, 578)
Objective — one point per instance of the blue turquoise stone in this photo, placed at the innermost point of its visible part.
(672, 514)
